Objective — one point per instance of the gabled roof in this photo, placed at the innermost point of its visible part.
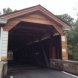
(33, 9)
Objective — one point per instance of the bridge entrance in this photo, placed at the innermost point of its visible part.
(33, 36)
(31, 44)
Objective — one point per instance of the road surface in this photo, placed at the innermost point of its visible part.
(38, 73)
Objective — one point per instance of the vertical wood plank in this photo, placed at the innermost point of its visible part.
(51, 46)
(64, 47)
(44, 53)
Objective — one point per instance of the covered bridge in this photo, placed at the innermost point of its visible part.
(34, 35)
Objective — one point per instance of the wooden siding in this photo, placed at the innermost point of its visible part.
(64, 47)
(33, 18)
(4, 45)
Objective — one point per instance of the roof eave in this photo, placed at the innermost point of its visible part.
(3, 21)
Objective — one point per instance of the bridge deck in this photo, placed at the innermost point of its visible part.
(37, 73)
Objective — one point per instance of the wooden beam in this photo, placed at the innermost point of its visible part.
(10, 25)
(51, 46)
(42, 36)
(14, 22)
(44, 53)
(35, 28)
(17, 38)
(59, 29)
(44, 30)
(22, 30)
(23, 35)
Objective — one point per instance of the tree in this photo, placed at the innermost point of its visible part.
(6, 10)
(72, 39)
(15, 10)
(67, 18)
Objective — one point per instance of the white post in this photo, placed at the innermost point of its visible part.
(3, 40)
(0, 43)
(4, 45)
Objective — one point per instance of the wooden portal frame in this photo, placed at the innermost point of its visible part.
(40, 15)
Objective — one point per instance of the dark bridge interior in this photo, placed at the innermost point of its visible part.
(31, 44)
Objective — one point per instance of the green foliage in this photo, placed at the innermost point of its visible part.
(72, 37)
(67, 18)
(6, 10)
(75, 52)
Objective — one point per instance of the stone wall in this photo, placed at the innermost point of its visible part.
(67, 65)
(3, 69)
(56, 64)
(70, 66)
